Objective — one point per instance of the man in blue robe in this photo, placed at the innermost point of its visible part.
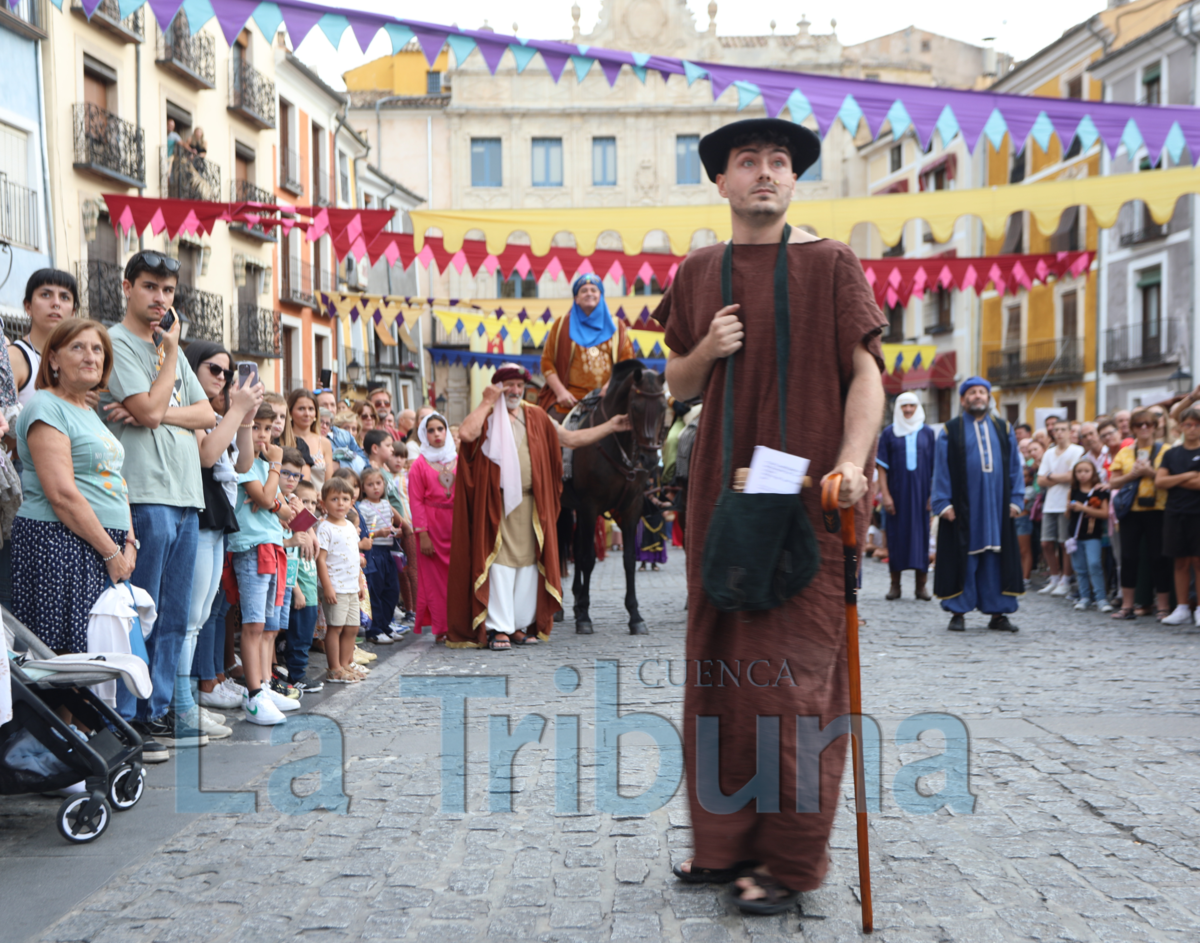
(905, 462)
(978, 488)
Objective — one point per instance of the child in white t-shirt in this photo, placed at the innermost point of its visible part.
(338, 572)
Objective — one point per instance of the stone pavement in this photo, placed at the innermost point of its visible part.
(1084, 734)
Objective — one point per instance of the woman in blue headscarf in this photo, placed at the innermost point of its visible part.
(581, 348)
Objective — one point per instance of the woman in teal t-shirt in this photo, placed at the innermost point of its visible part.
(73, 532)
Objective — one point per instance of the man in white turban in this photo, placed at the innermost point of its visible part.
(905, 463)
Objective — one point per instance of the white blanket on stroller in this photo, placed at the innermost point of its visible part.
(109, 624)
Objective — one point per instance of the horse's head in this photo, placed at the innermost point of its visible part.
(638, 391)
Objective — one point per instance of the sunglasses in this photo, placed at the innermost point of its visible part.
(1143, 424)
(156, 260)
(218, 371)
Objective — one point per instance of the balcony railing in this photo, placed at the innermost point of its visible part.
(1137, 346)
(251, 94)
(108, 146)
(108, 17)
(243, 191)
(193, 58)
(18, 213)
(100, 290)
(1148, 233)
(344, 186)
(27, 17)
(186, 176)
(296, 285)
(289, 170)
(255, 331)
(1053, 361)
(204, 311)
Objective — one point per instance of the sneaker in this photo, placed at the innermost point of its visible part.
(363, 657)
(1181, 616)
(1081, 606)
(1198, 616)
(261, 710)
(283, 702)
(221, 698)
(184, 729)
(398, 630)
(1063, 587)
(152, 750)
(1106, 607)
(287, 690)
(214, 730)
(380, 638)
(1050, 586)
(212, 716)
(310, 686)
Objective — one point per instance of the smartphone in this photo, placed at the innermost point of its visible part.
(247, 368)
(302, 521)
(164, 325)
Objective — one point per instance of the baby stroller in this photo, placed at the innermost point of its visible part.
(109, 761)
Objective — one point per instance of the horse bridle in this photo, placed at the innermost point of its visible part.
(627, 467)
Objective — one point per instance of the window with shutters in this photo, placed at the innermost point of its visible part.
(485, 162)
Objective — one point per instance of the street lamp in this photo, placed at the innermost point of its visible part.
(354, 372)
(1181, 379)
(440, 403)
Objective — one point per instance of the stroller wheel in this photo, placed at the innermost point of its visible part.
(123, 792)
(72, 825)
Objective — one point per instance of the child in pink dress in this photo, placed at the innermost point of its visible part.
(431, 499)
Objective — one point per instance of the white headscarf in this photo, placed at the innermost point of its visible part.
(443, 455)
(501, 448)
(901, 426)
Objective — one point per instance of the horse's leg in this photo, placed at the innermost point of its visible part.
(585, 559)
(629, 523)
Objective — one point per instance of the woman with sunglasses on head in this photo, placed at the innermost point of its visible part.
(303, 432)
(51, 297)
(1141, 527)
(225, 452)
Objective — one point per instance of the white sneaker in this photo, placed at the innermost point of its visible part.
(261, 710)
(1063, 587)
(1106, 607)
(1181, 616)
(221, 698)
(1081, 606)
(1050, 586)
(1198, 616)
(215, 730)
(233, 689)
(380, 638)
(213, 716)
(281, 701)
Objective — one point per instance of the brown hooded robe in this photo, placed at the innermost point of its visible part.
(478, 509)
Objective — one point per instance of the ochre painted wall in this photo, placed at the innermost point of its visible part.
(401, 74)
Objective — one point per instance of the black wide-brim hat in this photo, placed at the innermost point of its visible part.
(804, 145)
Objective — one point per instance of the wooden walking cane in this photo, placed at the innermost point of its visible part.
(843, 519)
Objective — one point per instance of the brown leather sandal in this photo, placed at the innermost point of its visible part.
(779, 899)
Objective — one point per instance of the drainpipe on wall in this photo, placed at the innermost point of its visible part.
(49, 206)
(137, 73)
(1187, 26)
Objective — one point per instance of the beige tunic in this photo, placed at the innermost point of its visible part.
(518, 545)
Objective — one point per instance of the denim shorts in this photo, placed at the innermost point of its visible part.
(1024, 526)
(256, 591)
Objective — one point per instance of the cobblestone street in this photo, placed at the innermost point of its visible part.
(1083, 741)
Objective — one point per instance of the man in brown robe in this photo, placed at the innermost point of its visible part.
(504, 576)
(792, 659)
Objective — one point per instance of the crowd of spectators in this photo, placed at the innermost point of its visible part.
(262, 527)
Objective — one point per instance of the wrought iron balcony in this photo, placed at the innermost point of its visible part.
(1141, 345)
(289, 170)
(187, 176)
(204, 311)
(108, 17)
(192, 58)
(296, 285)
(100, 290)
(1052, 361)
(18, 213)
(1148, 233)
(108, 146)
(251, 94)
(255, 331)
(16, 326)
(243, 191)
(27, 17)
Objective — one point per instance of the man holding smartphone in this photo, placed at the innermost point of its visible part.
(154, 405)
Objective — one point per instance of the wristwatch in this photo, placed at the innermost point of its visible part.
(137, 544)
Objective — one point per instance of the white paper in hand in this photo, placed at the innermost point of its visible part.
(775, 472)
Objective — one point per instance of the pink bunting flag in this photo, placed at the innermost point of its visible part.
(491, 263)
(523, 266)
(615, 271)
(554, 269)
(459, 261)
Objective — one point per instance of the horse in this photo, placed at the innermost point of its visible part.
(612, 475)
